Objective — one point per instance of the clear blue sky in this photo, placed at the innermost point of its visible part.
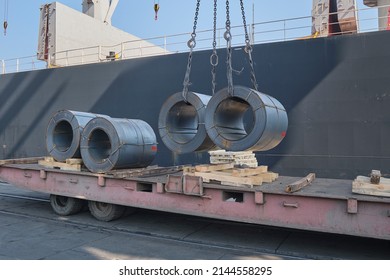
(137, 17)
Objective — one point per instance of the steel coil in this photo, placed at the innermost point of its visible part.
(245, 120)
(181, 123)
(63, 133)
(109, 143)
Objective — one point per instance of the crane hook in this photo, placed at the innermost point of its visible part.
(156, 8)
(5, 25)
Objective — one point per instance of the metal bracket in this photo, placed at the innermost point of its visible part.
(192, 185)
(188, 185)
(174, 184)
(352, 206)
(160, 188)
(259, 198)
(101, 181)
(43, 174)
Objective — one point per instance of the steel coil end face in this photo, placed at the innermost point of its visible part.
(63, 133)
(109, 143)
(181, 123)
(246, 120)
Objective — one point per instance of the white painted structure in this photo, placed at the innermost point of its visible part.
(101, 10)
(383, 12)
(69, 37)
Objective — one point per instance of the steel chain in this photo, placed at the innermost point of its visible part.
(214, 55)
(248, 48)
(191, 44)
(228, 38)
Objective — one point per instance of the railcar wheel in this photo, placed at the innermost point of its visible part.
(64, 206)
(105, 211)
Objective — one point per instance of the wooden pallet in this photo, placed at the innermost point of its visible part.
(71, 164)
(227, 174)
(363, 185)
(31, 160)
(246, 158)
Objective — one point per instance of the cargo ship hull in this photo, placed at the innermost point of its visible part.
(336, 91)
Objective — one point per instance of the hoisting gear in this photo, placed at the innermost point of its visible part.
(5, 24)
(156, 8)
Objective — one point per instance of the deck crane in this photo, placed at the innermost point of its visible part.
(101, 10)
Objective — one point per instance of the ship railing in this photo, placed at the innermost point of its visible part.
(259, 33)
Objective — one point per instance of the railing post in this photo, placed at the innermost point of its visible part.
(165, 44)
(82, 56)
(48, 60)
(122, 51)
(2, 66)
(17, 65)
(284, 30)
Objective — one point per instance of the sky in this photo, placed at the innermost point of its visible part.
(137, 17)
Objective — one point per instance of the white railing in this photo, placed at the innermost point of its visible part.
(262, 32)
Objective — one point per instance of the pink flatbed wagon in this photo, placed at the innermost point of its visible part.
(326, 205)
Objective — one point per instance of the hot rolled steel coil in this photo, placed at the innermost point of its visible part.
(109, 143)
(245, 120)
(181, 123)
(63, 133)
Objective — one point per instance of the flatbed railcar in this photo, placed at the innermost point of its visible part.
(326, 205)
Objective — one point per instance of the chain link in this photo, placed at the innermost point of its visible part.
(191, 44)
(228, 38)
(214, 55)
(248, 48)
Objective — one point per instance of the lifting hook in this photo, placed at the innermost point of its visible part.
(5, 25)
(156, 8)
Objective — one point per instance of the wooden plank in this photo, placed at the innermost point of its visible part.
(252, 156)
(225, 153)
(213, 167)
(21, 160)
(250, 171)
(74, 161)
(298, 185)
(227, 179)
(49, 162)
(363, 185)
(268, 177)
(249, 163)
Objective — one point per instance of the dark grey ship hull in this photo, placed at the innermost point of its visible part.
(336, 92)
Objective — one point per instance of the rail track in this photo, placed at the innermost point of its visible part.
(289, 244)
